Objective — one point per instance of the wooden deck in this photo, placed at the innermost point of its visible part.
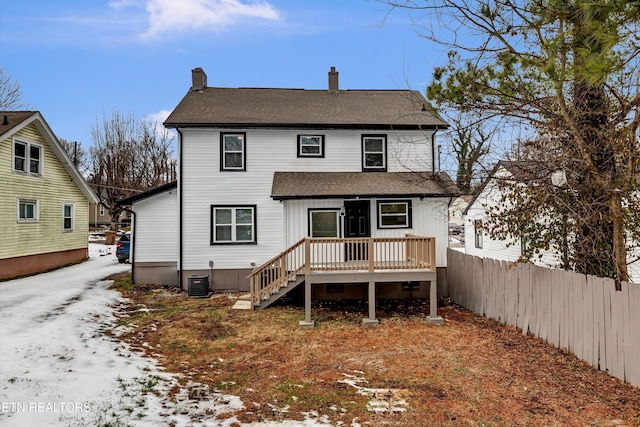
(342, 260)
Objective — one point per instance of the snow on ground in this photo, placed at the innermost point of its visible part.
(59, 367)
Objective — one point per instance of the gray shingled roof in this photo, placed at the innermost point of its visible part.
(254, 107)
(13, 119)
(310, 185)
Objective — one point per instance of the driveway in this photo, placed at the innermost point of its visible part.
(61, 363)
(57, 365)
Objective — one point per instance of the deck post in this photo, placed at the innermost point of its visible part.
(371, 320)
(433, 317)
(307, 323)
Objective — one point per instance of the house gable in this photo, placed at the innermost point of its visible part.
(43, 208)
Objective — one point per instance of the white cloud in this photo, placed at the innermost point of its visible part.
(121, 4)
(157, 119)
(213, 15)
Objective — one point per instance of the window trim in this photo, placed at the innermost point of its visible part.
(27, 158)
(337, 211)
(254, 225)
(223, 166)
(408, 215)
(321, 146)
(36, 210)
(71, 217)
(477, 233)
(366, 168)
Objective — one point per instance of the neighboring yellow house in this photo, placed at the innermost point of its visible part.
(44, 201)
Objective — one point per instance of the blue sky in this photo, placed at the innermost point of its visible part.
(77, 60)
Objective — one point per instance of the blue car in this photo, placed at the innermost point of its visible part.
(122, 247)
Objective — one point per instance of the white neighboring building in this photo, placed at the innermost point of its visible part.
(477, 241)
(457, 208)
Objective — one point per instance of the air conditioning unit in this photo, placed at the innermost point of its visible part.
(198, 286)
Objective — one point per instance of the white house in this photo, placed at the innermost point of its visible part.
(477, 241)
(260, 169)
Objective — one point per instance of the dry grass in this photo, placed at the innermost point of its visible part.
(471, 371)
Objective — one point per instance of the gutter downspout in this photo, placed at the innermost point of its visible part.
(180, 225)
(433, 150)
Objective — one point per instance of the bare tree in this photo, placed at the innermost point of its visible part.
(569, 72)
(78, 155)
(128, 157)
(11, 94)
(470, 142)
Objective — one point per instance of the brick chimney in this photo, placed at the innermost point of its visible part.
(198, 78)
(333, 80)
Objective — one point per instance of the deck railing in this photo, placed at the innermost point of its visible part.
(342, 254)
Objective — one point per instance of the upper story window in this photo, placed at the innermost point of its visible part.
(233, 152)
(27, 210)
(310, 145)
(477, 231)
(67, 217)
(394, 214)
(374, 152)
(233, 224)
(101, 210)
(27, 158)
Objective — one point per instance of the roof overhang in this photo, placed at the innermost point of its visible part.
(149, 193)
(315, 126)
(352, 185)
(45, 131)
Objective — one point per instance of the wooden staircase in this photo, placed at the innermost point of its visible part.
(278, 276)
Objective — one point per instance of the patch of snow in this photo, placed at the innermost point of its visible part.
(61, 362)
(383, 399)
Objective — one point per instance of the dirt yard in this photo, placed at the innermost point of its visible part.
(471, 371)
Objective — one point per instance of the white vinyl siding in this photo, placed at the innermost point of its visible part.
(155, 232)
(268, 151)
(427, 221)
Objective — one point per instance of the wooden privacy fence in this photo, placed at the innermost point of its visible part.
(582, 314)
